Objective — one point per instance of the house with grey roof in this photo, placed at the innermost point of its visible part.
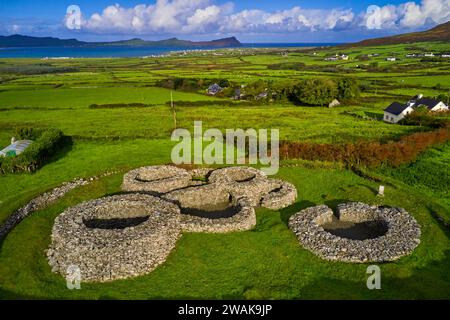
(397, 111)
(214, 89)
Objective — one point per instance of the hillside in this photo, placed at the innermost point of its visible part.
(438, 33)
(27, 41)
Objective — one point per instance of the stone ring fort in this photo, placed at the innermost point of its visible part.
(131, 234)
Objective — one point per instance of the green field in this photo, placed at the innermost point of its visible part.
(266, 262)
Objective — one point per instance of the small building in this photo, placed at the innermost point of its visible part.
(396, 112)
(445, 55)
(391, 59)
(431, 54)
(262, 95)
(15, 148)
(214, 89)
(334, 103)
(344, 57)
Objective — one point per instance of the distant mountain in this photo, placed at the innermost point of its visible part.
(438, 33)
(27, 41)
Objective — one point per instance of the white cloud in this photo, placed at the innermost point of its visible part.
(380, 17)
(204, 16)
(437, 11)
(409, 14)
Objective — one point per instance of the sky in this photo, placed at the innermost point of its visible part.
(250, 21)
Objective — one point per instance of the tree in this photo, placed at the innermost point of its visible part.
(348, 89)
(316, 91)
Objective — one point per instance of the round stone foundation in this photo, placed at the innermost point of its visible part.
(357, 233)
(115, 237)
(156, 179)
(211, 208)
(281, 195)
(242, 182)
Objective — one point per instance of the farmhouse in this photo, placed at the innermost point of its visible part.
(431, 104)
(397, 111)
(391, 59)
(337, 57)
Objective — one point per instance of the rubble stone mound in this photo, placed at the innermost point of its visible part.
(399, 233)
(115, 237)
(243, 182)
(156, 179)
(211, 208)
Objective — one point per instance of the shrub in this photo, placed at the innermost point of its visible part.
(371, 154)
(348, 89)
(46, 143)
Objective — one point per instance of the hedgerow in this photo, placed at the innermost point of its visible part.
(370, 154)
(46, 143)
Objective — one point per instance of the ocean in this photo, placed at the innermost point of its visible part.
(125, 51)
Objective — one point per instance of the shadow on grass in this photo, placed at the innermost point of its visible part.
(61, 153)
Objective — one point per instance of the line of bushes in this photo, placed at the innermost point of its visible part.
(36, 69)
(207, 103)
(370, 154)
(120, 105)
(46, 143)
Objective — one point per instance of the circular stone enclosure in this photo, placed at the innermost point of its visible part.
(211, 208)
(357, 233)
(281, 195)
(115, 237)
(156, 179)
(242, 182)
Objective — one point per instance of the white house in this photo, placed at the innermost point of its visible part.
(431, 104)
(396, 112)
(391, 59)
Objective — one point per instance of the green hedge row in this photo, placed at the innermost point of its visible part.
(46, 143)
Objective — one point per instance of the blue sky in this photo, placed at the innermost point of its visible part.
(250, 21)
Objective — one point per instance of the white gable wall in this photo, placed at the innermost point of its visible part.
(392, 118)
(440, 107)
